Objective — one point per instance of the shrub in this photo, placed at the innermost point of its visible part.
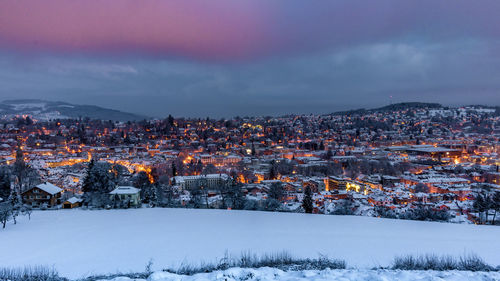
(385, 212)
(432, 262)
(30, 273)
(280, 260)
(345, 207)
(271, 204)
(473, 262)
(252, 205)
(423, 213)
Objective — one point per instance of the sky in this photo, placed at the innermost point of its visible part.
(224, 58)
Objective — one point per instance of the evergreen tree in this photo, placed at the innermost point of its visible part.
(101, 178)
(496, 205)
(87, 185)
(307, 202)
(276, 191)
(236, 196)
(142, 182)
(479, 205)
(5, 188)
(272, 170)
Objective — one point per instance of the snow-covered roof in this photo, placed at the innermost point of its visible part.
(74, 200)
(444, 179)
(125, 190)
(433, 149)
(49, 188)
(180, 179)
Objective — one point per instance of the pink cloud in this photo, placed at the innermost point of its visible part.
(198, 28)
(229, 29)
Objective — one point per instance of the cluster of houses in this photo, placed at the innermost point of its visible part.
(47, 195)
(440, 156)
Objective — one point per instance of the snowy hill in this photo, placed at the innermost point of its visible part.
(79, 242)
(46, 110)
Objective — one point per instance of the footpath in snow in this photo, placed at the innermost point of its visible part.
(263, 274)
(80, 243)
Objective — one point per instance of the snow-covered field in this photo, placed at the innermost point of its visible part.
(79, 243)
(262, 274)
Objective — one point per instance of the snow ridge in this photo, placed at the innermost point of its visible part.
(266, 273)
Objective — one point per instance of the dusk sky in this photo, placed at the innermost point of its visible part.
(223, 58)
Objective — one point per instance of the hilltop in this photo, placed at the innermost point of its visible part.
(49, 110)
(391, 107)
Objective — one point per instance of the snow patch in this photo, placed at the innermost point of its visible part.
(31, 106)
(81, 243)
(236, 274)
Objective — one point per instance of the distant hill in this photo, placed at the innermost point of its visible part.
(391, 107)
(408, 105)
(47, 110)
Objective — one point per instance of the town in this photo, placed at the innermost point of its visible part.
(410, 161)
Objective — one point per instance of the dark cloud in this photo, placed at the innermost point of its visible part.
(452, 72)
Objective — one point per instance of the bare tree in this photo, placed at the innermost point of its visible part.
(5, 213)
(27, 210)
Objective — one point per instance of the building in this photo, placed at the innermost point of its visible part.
(335, 183)
(431, 151)
(71, 203)
(127, 193)
(43, 194)
(219, 160)
(209, 181)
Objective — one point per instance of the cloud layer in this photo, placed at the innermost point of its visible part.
(455, 72)
(233, 30)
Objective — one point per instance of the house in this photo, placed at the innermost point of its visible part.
(45, 193)
(72, 202)
(126, 193)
